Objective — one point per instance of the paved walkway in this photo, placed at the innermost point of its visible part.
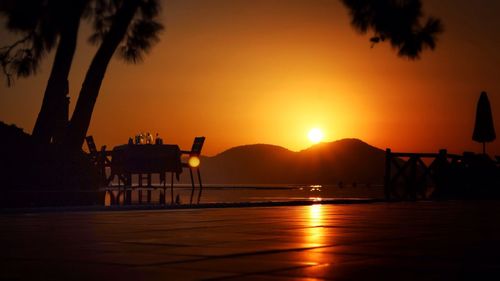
(398, 241)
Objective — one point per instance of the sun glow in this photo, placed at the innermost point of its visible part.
(315, 135)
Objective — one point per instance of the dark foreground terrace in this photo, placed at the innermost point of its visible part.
(378, 241)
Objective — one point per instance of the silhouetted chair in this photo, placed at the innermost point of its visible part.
(98, 158)
(193, 163)
(92, 148)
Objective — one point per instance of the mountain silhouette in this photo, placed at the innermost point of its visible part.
(346, 160)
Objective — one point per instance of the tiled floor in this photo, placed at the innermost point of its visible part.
(386, 241)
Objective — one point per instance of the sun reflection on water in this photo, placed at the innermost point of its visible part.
(315, 187)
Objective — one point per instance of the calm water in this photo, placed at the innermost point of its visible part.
(264, 193)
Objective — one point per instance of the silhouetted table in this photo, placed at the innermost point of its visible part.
(145, 159)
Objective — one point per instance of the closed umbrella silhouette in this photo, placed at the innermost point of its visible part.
(484, 130)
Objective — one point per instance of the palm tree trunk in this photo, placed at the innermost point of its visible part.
(82, 115)
(53, 113)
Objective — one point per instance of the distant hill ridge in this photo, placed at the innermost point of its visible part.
(346, 160)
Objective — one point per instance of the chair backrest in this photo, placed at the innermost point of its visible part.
(91, 144)
(197, 145)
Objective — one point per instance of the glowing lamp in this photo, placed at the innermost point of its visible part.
(194, 161)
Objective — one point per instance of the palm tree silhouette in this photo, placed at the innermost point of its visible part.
(396, 21)
(130, 26)
(43, 25)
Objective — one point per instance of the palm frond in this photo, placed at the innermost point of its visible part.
(39, 23)
(150, 8)
(25, 64)
(101, 15)
(17, 57)
(399, 21)
(142, 36)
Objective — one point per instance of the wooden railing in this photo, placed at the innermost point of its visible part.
(412, 176)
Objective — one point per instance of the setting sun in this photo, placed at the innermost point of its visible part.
(315, 135)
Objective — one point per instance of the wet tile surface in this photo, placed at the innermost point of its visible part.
(396, 241)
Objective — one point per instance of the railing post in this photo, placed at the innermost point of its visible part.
(441, 172)
(387, 176)
(412, 186)
(128, 196)
(443, 153)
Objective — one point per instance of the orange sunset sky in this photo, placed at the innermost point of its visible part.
(267, 71)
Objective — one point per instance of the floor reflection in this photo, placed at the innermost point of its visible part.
(315, 232)
(107, 198)
(315, 235)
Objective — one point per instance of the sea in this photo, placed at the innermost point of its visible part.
(241, 193)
